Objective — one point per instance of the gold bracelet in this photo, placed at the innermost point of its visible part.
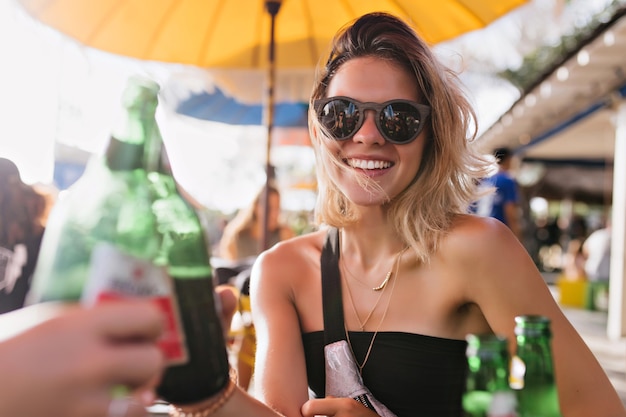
(211, 405)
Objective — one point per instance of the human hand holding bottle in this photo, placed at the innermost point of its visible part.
(65, 359)
(123, 230)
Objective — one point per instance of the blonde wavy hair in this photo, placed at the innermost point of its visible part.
(446, 182)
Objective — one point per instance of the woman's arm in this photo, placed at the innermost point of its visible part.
(280, 370)
(506, 283)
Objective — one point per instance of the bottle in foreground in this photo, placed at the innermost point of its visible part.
(532, 370)
(487, 386)
(124, 230)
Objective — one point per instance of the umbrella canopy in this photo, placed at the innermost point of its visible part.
(237, 34)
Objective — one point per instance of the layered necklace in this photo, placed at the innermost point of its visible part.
(380, 289)
(396, 267)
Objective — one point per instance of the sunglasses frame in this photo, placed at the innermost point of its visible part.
(423, 112)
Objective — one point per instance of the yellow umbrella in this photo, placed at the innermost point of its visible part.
(247, 34)
(236, 33)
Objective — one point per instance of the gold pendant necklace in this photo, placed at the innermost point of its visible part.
(376, 288)
(356, 314)
(369, 348)
(382, 284)
(363, 323)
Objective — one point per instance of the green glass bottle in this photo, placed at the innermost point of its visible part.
(487, 391)
(124, 230)
(532, 369)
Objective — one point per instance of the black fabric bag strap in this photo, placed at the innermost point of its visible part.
(331, 289)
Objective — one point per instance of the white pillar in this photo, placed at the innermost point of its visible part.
(616, 326)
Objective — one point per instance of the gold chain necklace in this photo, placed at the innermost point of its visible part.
(356, 314)
(382, 284)
(369, 348)
(363, 323)
(376, 288)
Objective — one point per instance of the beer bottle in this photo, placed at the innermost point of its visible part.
(487, 391)
(124, 230)
(532, 370)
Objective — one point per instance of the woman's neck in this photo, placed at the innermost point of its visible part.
(370, 246)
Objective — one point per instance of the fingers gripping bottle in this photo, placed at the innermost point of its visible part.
(124, 230)
(532, 370)
(487, 391)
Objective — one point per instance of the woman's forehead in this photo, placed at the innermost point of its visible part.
(373, 79)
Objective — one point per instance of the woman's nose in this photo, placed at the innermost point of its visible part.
(368, 132)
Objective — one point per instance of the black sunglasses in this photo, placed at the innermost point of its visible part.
(399, 121)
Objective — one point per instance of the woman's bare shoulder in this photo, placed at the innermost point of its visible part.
(290, 255)
(480, 244)
(470, 232)
(296, 246)
(469, 223)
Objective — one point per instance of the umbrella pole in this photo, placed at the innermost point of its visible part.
(272, 6)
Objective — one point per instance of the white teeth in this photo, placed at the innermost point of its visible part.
(368, 164)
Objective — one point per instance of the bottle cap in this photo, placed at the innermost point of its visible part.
(486, 345)
(532, 325)
(140, 91)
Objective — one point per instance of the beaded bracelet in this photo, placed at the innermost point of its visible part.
(210, 406)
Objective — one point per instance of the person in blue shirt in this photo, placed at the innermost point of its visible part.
(503, 203)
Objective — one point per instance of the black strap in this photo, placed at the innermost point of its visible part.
(331, 289)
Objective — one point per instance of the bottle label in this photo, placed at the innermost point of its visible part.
(114, 275)
(518, 371)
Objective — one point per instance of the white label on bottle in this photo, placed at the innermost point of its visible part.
(518, 371)
(114, 275)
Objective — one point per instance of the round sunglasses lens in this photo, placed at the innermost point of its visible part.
(400, 122)
(339, 117)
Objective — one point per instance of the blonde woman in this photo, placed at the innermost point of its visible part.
(416, 274)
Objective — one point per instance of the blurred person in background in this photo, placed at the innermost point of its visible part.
(241, 242)
(597, 252)
(574, 261)
(22, 223)
(243, 234)
(503, 203)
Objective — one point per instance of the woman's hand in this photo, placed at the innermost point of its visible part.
(337, 407)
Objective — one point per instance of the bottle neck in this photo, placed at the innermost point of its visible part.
(488, 363)
(488, 374)
(536, 353)
(137, 143)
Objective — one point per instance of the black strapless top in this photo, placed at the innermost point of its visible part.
(414, 375)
